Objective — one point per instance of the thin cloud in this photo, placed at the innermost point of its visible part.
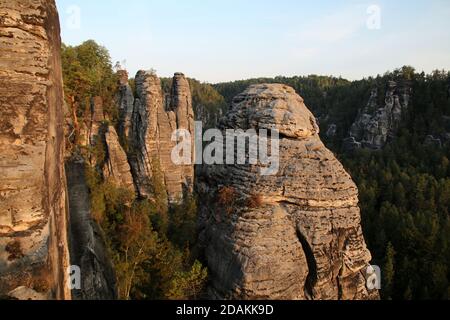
(334, 27)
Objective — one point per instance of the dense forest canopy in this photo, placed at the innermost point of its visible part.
(404, 188)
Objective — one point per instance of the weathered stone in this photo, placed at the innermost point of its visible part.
(125, 103)
(153, 125)
(96, 120)
(24, 293)
(181, 105)
(375, 125)
(292, 235)
(116, 167)
(87, 246)
(350, 143)
(33, 241)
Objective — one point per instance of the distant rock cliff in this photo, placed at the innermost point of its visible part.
(375, 124)
(34, 253)
(293, 235)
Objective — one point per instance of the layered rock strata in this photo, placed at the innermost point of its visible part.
(292, 235)
(33, 242)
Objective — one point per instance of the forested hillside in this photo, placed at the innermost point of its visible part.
(405, 187)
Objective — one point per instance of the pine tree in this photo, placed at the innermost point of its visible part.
(388, 272)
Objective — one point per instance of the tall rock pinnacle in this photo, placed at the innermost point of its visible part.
(33, 241)
(152, 126)
(181, 104)
(293, 235)
(124, 101)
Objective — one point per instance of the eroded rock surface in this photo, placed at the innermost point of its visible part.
(153, 122)
(292, 235)
(116, 166)
(376, 124)
(33, 241)
(88, 250)
(125, 103)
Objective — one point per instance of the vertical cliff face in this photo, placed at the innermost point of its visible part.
(88, 249)
(152, 126)
(293, 235)
(375, 124)
(33, 240)
(181, 105)
(116, 166)
(87, 246)
(125, 104)
(96, 120)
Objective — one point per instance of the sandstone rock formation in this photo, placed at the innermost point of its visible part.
(116, 166)
(293, 235)
(181, 104)
(87, 247)
(33, 241)
(151, 144)
(88, 250)
(125, 103)
(97, 117)
(375, 125)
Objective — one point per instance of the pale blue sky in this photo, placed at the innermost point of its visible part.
(222, 40)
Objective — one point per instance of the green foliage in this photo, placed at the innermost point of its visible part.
(159, 201)
(150, 243)
(152, 260)
(208, 104)
(388, 271)
(404, 194)
(188, 285)
(87, 72)
(183, 223)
